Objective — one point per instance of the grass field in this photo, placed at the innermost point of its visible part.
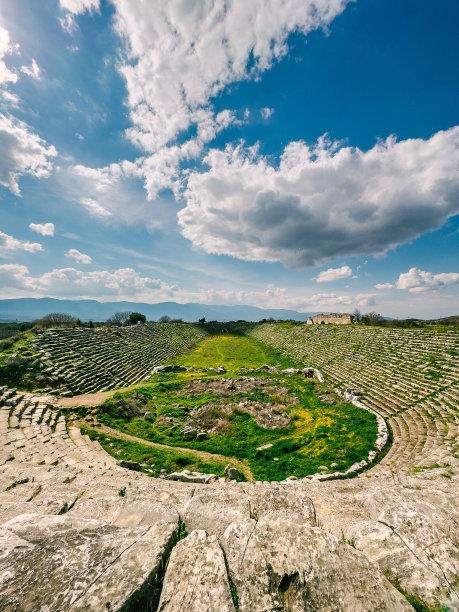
(153, 460)
(318, 434)
(233, 352)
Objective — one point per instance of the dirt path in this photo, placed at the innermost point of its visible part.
(89, 399)
(114, 433)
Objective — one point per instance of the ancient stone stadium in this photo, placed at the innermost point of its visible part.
(276, 466)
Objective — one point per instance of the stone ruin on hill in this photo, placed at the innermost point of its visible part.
(334, 318)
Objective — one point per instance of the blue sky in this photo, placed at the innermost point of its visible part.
(280, 153)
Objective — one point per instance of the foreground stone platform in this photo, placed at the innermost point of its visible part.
(78, 532)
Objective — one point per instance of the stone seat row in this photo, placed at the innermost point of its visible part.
(105, 361)
(424, 428)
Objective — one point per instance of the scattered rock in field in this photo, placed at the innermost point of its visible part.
(130, 465)
(189, 432)
(232, 473)
(187, 476)
(264, 447)
(168, 368)
(351, 394)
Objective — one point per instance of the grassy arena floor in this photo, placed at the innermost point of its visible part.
(319, 434)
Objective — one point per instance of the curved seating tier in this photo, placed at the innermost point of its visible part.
(410, 377)
(83, 360)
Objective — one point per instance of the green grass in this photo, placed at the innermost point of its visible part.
(319, 434)
(418, 604)
(155, 459)
(233, 352)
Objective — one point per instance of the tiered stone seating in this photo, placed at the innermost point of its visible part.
(85, 360)
(410, 377)
(35, 433)
(101, 533)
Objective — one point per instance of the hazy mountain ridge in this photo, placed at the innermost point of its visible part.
(28, 309)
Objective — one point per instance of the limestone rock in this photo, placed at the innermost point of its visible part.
(187, 476)
(196, 578)
(124, 512)
(69, 563)
(412, 546)
(214, 510)
(277, 565)
(232, 473)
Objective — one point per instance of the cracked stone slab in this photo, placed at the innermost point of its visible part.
(125, 512)
(196, 579)
(75, 564)
(215, 509)
(409, 544)
(278, 565)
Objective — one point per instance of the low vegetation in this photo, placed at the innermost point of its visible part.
(155, 461)
(312, 434)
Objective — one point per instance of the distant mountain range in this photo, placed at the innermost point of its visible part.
(28, 309)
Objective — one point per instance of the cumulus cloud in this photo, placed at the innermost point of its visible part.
(417, 281)
(45, 229)
(128, 284)
(124, 283)
(333, 274)
(321, 202)
(76, 7)
(33, 70)
(6, 48)
(9, 243)
(14, 276)
(382, 286)
(181, 54)
(79, 257)
(23, 152)
(266, 112)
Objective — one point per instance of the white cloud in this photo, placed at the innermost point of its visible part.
(45, 229)
(266, 112)
(382, 286)
(79, 257)
(76, 7)
(322, 202)
(94, 208)
(124, 283)
(128, 284)
(13, 276)
(9, 243)
(417, 281)
(10, 99)
(333, 274)
(115, 195)
(6, 48)
(181, 54)
(32, 71)
(23, 152)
